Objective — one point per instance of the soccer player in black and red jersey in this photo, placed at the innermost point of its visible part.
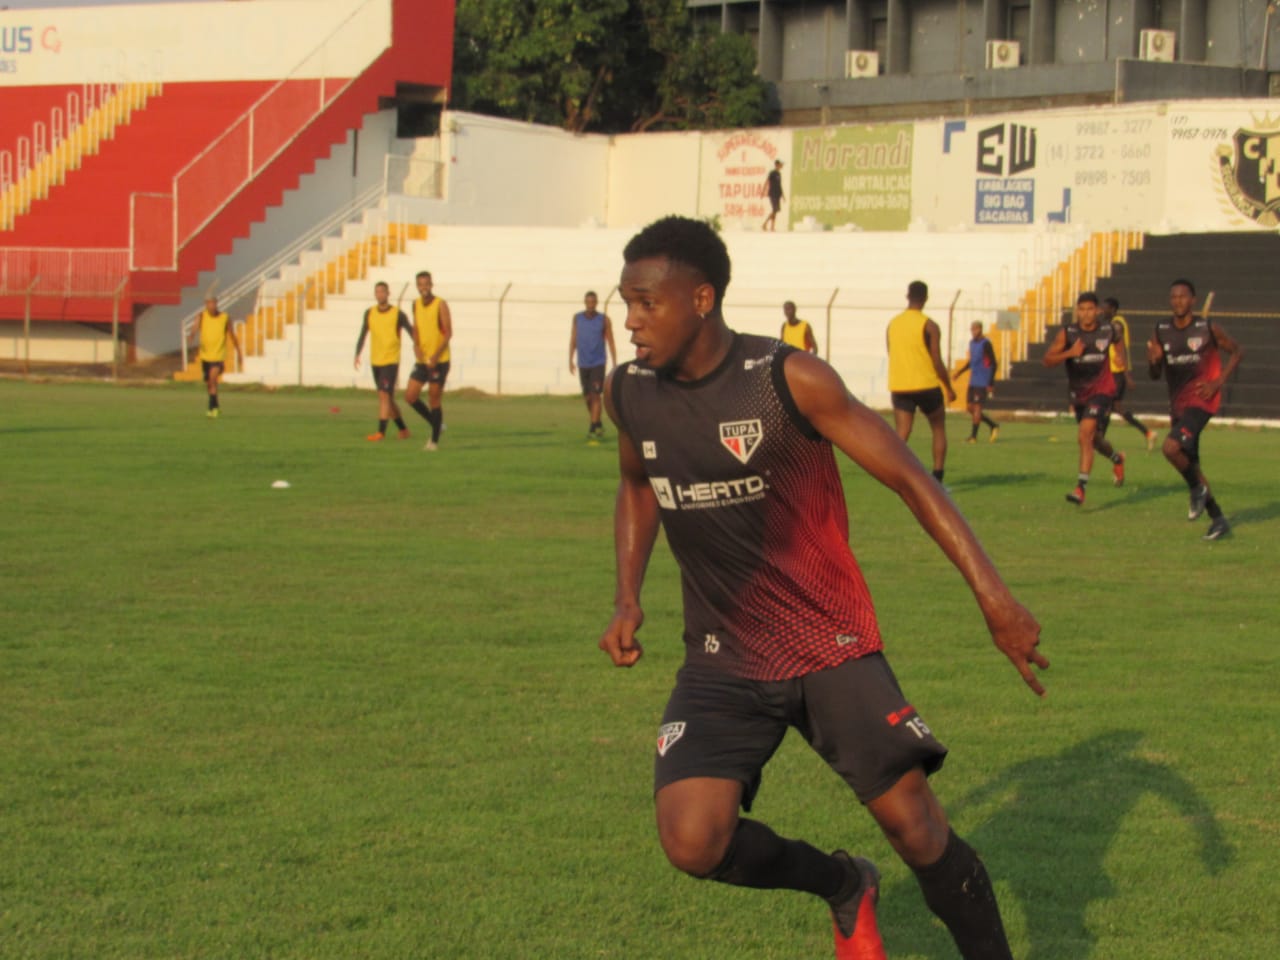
(1084, 345)
(726, 440)
(1188, 350)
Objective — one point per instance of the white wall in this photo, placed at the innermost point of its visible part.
(264, 40)
(652, 175)
(55, 343)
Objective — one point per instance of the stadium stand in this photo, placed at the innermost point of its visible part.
(1237, 268)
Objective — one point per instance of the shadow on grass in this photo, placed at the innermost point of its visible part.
(986, 480)
(1048, 841)
(1258, 514)
(1177, 493)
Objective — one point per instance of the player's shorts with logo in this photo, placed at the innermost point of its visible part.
(854, 716)
(592, 379)
(386, 376)
(1097, 407)
(208, 365)
(927, 402)
(1187, 428)
(424, 374)
(976, 395)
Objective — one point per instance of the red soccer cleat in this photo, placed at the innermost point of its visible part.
(374, 437)
(854, 918)
(1076, 496)
(404, 434)
(1117, 471)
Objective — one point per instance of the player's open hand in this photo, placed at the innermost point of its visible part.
(1017, 633)
(619, 639)
(1154, 353)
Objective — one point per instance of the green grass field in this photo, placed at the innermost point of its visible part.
(365, 717)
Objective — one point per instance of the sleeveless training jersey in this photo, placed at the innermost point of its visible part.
(982, 363)
(1121, 327)
(384, 335)
(753, 509)
(589, 330)
(213, 337)
(1089, 375)
(426, 318)
(910, 365)
(1191, 357)
(795, 334)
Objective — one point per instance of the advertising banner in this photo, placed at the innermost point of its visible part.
(853, 176)
(734, 169)
(1224, 167)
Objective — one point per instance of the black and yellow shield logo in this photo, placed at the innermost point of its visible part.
(1250, 168)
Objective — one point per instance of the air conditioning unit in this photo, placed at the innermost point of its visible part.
(1156, 44)
(861, 63)
(1002, 54)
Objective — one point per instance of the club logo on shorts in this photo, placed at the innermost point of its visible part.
(741, 438)
(650, 450)
(668, 735)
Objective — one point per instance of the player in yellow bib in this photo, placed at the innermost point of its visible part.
(796, 332)
(382, 325)
(917, 375)
(215, 331)
(432, 331)
(1120, 371)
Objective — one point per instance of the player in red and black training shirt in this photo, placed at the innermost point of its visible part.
(1188, 350)
(1084, 345)
(726, 440)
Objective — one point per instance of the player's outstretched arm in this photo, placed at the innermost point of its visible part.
(635, 529)
(820, 395)
(1058, 353)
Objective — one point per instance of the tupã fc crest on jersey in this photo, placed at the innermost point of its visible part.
(741, 437)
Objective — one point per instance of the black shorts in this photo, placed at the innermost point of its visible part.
(1097, 407)
(976, 395)
(424, 374)
(775, 203)
(209, 365)
(1186, 429)
(854, 716)
(927, 402)
(386, 376)
(592, 379)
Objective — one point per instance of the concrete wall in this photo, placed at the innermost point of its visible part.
(55, 343)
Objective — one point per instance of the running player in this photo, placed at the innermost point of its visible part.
(1188, 350)
(215, 331)
(1083, 345)
(796, 332)
(589, 333)
(432, 331)
(1123, 375)
(726, 440)
(981, 365)
(382, 324)
(917, 375)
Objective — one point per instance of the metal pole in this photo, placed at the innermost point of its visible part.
(501, 301)
(830, 302)
(26, 328)
(115, 328)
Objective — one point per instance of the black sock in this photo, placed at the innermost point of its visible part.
(958, 891)
(1192, 476)
(422, 410)
(437, 421)
(1117, 457)
(1134, 422)
(1211, 505)
(973, 433)
(937, 475)
(757, 857)
(990, 423)
(382, 426)
(400, 423)
(213, 401)
(1082, 480)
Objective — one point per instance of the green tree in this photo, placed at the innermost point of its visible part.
(608, 66)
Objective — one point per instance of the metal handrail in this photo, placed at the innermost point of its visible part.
(254, 279)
